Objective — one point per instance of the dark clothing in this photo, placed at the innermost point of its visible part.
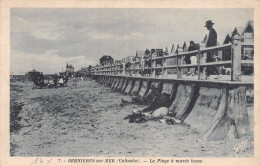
(210, 58)
(161, 101)
(135, 97)
(150, 97)
(193, 47)
(212, 38)
(127, 65)
(211, 42)
(148, 63)
(187, 57)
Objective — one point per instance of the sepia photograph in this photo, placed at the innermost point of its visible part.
(96, 82)
(144, 82)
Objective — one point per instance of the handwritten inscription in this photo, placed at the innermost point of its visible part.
(40, 161)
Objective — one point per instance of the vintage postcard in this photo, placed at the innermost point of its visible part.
(129, 83)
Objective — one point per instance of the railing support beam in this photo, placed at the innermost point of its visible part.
(236, 59)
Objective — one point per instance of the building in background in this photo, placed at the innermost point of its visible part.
(69, 68)
(246, 34)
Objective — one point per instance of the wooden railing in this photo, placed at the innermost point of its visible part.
(229, 55)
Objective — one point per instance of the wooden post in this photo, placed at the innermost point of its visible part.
(198, 61)
(129, 69)
(123, 72)
(236, 59)
(179, 70)
(136, 71)
(164, 71)
(142, 67)
(113, 70)
(153, 67)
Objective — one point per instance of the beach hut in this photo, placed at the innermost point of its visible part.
(32, 74)
(246, 33)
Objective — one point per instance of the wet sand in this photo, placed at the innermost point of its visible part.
(87, 120)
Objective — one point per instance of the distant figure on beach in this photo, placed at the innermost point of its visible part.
(211, 41)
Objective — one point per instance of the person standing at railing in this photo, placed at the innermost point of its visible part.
(147, 62)
(211, 40)
(128, 67)
(166, 51)
(187, 58)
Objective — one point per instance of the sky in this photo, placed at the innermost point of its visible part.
(46, 39)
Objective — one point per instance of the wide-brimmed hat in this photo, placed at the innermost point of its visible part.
(209, 22)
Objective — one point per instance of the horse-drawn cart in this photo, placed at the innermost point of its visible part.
(50, 81)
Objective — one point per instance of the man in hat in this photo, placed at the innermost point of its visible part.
(211, 41)
(212, 37)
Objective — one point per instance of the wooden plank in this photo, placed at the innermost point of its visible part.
(247, 44)
(171, 66)
(157, 67)
(220, 63)
(247, 62)
(156, 58)
(199, 64)
(188, 65)
(179, 70)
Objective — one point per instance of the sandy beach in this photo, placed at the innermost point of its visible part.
(86, 119)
